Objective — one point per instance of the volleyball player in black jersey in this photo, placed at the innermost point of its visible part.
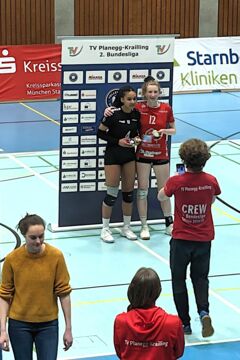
(120, 130)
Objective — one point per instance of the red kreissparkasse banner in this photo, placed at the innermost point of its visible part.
(30, 72)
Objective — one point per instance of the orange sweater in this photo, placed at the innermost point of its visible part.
(32, 283)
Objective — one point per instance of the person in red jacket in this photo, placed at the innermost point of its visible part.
(145, 331)
(193, 231)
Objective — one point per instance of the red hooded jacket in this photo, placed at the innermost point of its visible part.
(148, 334)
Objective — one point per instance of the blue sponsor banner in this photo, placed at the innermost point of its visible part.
(93, 69)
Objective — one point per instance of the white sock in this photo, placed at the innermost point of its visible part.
(105, 223)
(126, 220)
(143, 220)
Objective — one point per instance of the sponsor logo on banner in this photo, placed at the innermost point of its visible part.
(88, 129)
(95, 77)
(88, 94)
(162, 49)
(88, 140)
(70, 94)
(7, 63)
(164, 92)
(102, 186)
(101, 174)
(139, 92)
(87, 175)
(69, 175)
(116, 76)
(71, 187)
(73, 77)
(88, 106)
(100, 163)
(102, 142)
(69, 129)
(69, 164)
(70, 118)
(207, 64)
(70, 106)
(88, 151)
(161, 74)
(91, 186)
(88, 163)
(87, 118)
(30, 72)
(69, 152)
(101, 150)
(74, 50)
(138, 75)
(110, 97)
(70, 140)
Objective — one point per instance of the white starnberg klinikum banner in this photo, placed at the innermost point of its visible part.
(205, 64)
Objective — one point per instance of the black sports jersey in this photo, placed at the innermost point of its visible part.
(122, 124)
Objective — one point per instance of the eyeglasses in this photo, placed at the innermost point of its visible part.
(35, 237)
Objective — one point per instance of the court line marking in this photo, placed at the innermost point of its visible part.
(224, 213)
(40, 113)
(211, 292)
(22, 164)
(95, 356)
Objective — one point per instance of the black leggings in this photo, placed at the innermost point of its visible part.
(197, 254)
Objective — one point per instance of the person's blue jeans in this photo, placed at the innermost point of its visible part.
(24, 334)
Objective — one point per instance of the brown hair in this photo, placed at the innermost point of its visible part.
(194, 153)
(29, 220)
(144, 289)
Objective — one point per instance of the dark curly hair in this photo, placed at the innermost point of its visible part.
(194, 153)
(121, 93)
(144, 289)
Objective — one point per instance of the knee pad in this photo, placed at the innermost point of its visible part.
(127, 196)
(142, 194)
(111, 196)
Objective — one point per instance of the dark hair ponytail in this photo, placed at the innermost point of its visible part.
(121, 93)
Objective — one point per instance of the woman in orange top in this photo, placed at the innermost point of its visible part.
(33, 277)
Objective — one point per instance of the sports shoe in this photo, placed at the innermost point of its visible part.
(106, 235)
(169, 229)
(128, 233)
(207, 328)
(144, 233)
(187, 329)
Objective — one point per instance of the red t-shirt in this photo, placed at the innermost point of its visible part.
(153, 119)
(148, 334)
(193, 194)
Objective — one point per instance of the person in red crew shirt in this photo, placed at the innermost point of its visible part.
(193, 230)
(145, 331)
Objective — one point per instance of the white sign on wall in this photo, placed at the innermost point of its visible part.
(206, 64)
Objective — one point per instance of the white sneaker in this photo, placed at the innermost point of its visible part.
(106, 235)
(144, 233)
(128, 233)
(169, 229)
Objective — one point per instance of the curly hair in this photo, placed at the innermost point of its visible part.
(144, 289)
(121, 93)
(194, 153)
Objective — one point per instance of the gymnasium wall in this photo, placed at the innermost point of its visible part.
(44, 21)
